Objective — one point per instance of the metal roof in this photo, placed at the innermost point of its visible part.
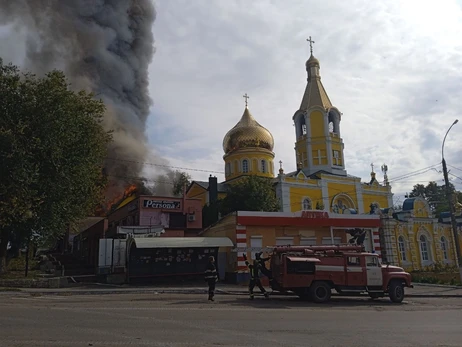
(182, 242)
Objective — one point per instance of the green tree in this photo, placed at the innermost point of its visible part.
(251, 193)
(435, 195)
(180, 180)
(171, 183)
(211, 213)
(52, 148)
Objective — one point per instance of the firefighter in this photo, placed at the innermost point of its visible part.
(211, 277)
(255, 270)
(264, 270)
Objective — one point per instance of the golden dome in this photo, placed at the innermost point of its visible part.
(312, 61)
(247, 133)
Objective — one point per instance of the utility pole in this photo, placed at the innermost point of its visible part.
(451, 205)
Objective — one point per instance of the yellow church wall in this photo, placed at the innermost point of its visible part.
(303, 179)
(337, 190)
(254, 157)
(369, 199)
(298, 194)
(319, 151)
(317, 124)
(421, 209)
(408, 254)
(300, 148)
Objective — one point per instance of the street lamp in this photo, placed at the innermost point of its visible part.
(451, 206)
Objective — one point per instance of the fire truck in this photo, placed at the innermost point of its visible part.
(311, 272)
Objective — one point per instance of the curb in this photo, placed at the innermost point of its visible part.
(187, 291)
(436, 285)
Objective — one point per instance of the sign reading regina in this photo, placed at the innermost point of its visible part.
(165, 204)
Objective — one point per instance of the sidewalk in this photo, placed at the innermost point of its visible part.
(419, 290)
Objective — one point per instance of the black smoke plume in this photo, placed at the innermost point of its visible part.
(104, 46)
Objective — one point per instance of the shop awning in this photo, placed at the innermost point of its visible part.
(182, 242)
(302, 259)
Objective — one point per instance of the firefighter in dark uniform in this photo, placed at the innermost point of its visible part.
(264, 270)
(211, 277)
(255, 270)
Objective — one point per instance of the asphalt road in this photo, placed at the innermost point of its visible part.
(189, 320)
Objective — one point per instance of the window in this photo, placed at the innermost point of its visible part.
(444, 247)
(353, 261)
(424, 248)
(256, 243)
(331, 127)
(306, 204)
(372, 261)
(402, 248)
(328, 240)
(228, 168)
(308, 241)
(303, 129)
(245, 166)
(300, 267)
(284, 241)
(263, 166)
(336, 155)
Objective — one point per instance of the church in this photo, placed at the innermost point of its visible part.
(320, 180)
(320, 201)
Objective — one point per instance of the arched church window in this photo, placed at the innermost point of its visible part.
(342, 203)
(245, 166)
(306, 204)
(444, 247)
(263, 166)
(303, 129)
(402, 248)
(424, 248)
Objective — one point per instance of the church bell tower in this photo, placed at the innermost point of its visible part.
(318, 145)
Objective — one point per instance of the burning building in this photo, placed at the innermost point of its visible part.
(102, 46)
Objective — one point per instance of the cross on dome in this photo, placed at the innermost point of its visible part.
(311, 44)
(246, 97)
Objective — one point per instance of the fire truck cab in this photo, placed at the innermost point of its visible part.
(312, 272)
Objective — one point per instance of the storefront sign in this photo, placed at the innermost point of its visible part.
(162, 204)
(315, 214)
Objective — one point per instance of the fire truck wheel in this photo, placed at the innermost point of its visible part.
(396, 292)
(320, 292)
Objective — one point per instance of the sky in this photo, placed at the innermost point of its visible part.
(393, 68)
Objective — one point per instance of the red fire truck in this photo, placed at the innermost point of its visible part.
(312, 272)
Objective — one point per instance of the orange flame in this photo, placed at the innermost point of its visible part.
(106, 207)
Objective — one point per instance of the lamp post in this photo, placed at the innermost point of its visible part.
(451, 205)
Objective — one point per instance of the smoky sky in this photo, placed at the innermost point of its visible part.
(103, 46)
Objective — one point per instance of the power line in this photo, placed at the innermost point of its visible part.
(417, 172)
(454, 167)
(166, 166)
(455, 176)
(143, 179)
(339, 191)
(410, 174)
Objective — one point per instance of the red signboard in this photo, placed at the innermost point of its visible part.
(315, 214)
